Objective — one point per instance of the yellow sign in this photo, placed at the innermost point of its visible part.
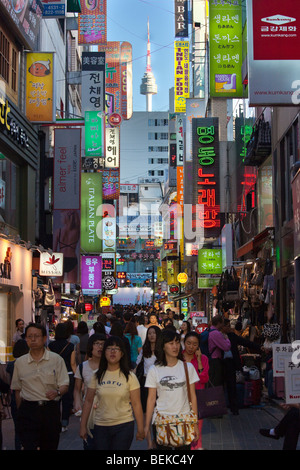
(104, 302)
(182, 278)
(39, 86)
(182, 84)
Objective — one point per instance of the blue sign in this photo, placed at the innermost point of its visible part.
(54, 10)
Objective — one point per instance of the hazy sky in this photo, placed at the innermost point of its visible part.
(127, 21)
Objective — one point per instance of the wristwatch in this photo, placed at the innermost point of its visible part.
(58, 392)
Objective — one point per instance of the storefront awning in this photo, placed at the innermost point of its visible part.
(256, 242)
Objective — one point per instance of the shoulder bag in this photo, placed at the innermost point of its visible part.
(211, 402)
(176, 430)
(50, 296)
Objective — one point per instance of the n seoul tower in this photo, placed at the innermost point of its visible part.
(148, 86)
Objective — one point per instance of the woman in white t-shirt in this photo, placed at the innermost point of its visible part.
(166, 381)
(83, 375)
(117, 391)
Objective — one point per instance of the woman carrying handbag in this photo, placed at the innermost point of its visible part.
(192, 353)
(174, 412)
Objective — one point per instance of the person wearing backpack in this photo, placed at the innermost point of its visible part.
(218, 343)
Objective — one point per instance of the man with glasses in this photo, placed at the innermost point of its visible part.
(40, 378)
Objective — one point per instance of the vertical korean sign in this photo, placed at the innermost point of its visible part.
(126, 80)
(39, 95)
(91, 275)
(93, 81)
(94, 125)
(181, 86)
(112, 76)
(112, 154)
(92, 27)
(225, 31)
(91, 212)
(206, 179)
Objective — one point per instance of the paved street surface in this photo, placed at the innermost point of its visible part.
(229, 433)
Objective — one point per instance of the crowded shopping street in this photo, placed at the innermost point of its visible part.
(149, 227)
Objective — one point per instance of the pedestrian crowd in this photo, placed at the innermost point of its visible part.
(137, 365)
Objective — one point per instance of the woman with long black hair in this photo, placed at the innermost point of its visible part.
(118, 397)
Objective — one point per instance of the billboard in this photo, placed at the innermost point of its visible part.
(126, 80)
(206, 175)
(93, 81)
(92, 25)
(91, 212)
(225, 55)
(112, 75)
(182, 83)
(273, 54)
(39, 93)
(66, 172)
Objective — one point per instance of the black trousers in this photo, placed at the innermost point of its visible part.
(230, 383)
(39, 426)
(289, 428)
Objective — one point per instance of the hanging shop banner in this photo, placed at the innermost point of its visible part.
(225, 33)
(91, 212)
(126, 80)
(111, 183)
(112, 143)
(39, 94)
(181, 18)
(51, 265)
(108, 262)
(109, 234)
(195, 108)
(91, 275)
(93, 81)
(112, 76)
(273, 38)
(92, 24)
(210, 261)
(54, 9)
(66, 172)
(181, 86)
(206, 179)
(179, 140)
(26, 15)
(296, 209)
(94, 126)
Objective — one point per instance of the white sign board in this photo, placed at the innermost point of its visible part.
(51, 265)
(292, 382)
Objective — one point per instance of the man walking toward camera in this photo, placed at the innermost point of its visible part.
(40, 378)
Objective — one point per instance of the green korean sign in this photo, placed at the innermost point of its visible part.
(94, 127)
(207, 282)
(226, 48)
(210, 261)
(91, 213)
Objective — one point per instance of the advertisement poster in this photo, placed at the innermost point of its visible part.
(91, 275)
(133, 296)
(225, 31)
(92, 25)
(66, 172)
(39, 94)
(281, 352)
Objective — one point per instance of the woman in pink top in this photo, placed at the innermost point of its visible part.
(192, 354)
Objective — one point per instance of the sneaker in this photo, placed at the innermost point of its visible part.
(266, 433)
(64, 429)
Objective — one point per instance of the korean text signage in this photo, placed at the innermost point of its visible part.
(111, 183)
(179, 140)
(91, 212)
(51, 265)
(93, 81)
(94, 134)
(112, 153)
(39, 103)
(273, 36)
(296, 208)
(66, 175)
(126, 80)
(181, 86)
(225, 30)
(91, 275)
(26, 15)
(112, 76)
(181, 18)
(206, 180)
(92, 27)
(210, 261)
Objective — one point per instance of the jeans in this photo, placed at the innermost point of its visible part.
(67, 402)
(118, 437)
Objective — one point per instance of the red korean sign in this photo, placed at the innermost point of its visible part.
(206, 179)
(276, 29)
